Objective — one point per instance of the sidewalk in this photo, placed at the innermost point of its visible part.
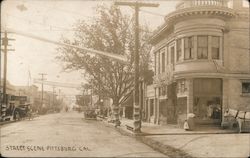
(176, 142)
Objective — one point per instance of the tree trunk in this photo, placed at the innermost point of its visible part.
(116, 112)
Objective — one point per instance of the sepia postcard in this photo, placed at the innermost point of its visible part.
(125, 78)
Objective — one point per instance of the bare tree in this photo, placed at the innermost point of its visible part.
(111, 32)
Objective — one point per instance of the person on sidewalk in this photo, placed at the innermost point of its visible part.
(189, 122)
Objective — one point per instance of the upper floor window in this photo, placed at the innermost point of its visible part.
(159, 60)
(189, 48)
(166, 54)
(246, 87)
(178, 49)
(163, 91)
(172, 54)
(202, 50)
(155, 66)
(181, 86)
(215, 47)
(163, 60)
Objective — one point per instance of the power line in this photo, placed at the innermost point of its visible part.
(41, 24)
(118, 57)
(152, 13)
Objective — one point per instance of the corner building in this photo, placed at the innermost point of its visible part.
(202, 61)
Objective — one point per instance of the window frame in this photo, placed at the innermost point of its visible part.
(178, 49)
(248, 88)
(201, 56)
(214, 47)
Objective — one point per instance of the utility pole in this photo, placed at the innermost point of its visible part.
(137, 108)
(42, 79)
(5, 43)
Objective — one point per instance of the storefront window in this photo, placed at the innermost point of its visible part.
(178, 49)
(246, 87)
(151, 107)
(215, 47)
(202, 47)
(189, 48)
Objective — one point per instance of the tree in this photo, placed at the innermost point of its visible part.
(111, 32)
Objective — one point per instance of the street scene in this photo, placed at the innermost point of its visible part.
(68, 135)
(125, 78)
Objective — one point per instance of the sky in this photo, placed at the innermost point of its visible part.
(53, 19)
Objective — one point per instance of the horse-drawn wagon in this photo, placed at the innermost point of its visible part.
(236, 119)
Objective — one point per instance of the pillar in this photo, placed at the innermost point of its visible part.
(190, 97)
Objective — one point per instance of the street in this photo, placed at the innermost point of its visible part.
(68, 135)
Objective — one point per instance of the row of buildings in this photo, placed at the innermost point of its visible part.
(201, 62)
(32, 96)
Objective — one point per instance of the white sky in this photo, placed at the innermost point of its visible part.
(52, 19)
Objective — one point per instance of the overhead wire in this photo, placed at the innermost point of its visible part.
(41, 24)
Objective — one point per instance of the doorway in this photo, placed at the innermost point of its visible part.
(208, 101)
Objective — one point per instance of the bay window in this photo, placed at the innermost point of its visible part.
(188, 48)
(202, 50)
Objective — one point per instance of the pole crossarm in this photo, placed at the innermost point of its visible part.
(117, 57)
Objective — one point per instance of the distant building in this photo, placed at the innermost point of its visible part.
(202, 62)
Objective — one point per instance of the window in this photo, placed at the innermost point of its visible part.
(181, 86)
(189, 48)
(215, 47)
(178, 49)
(246, 87)
(159, 66)
(172, 55)
(155, 62)
(202, 47)
(151, 107)
(163, 60)
(163, 91)
(166, 54)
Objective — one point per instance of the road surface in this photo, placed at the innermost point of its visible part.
(68, 135)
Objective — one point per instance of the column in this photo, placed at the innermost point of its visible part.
(190, 98)
(155, 105)
(148, 112)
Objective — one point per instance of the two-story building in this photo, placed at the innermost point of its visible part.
(202, 61)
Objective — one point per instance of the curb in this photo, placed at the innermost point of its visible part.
(156, 145)
(6, 122)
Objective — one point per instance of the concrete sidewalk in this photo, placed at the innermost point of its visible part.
(176, 142)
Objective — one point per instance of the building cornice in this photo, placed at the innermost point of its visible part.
(182, 14)
(212, 75)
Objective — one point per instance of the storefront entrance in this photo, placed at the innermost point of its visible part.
(208, 101)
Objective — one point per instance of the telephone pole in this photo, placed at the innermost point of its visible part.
(42, 79)
(5, 43)
(137, 108)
